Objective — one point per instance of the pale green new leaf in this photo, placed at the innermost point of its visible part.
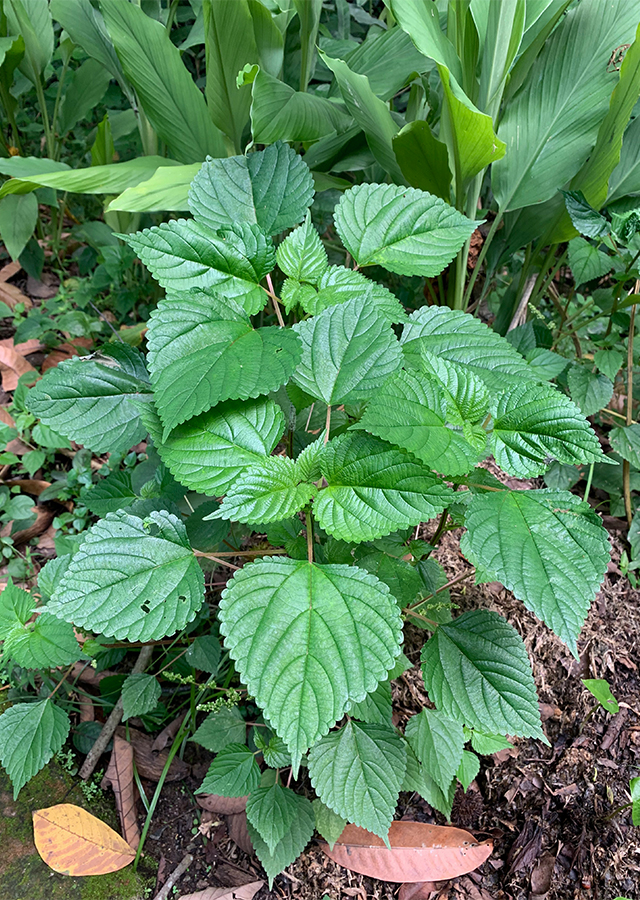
(291, 845)
(374, 489)
(457, 337)
(468, 768)
(626, 441)
(30, 734)
(221, 728)
(132, 579)
(587, 262)
(233, 773)
(349, 350)
(32, 20)
(295, 293)
(625, 178)
(168, 94)
(551, 126)
(358, 772)
(302, 255)
(466, 395)
(270, 491)
(477, 671)
(534, 422)
(44, 644)
(438, 743)
(184, 254)
(284, 624)
(563, 552)
(408, 410)
(329, 824)
(209, 452)
(272, 811)
(405, 230)
(202, 352)
(421, 22)
(271, 189)
(338, 284)
(166, 190)
(92, 400)
(591, 391)
(601, 690)
(140, 695)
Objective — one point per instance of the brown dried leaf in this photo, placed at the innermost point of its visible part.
(167, 734)
(18, 447)
(86, 673)
(149, 764)
(73, 842)
(419, 852)
(244, 892)
(40, 289)
(33, 486)
(239, 833)
(44, 518)
(223, 806)
(66, 351)
(119, 775)
(87, 711)
(12, 366)
(11, 269)
(419, 890)
(542, 874)
(6, 417)
(11, 295)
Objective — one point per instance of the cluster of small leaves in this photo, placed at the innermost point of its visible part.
(409, 406)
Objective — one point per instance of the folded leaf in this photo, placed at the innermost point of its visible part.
(328, 824)
(273, 810)
(132, 579)
(477, 671)
(337, 285)
(358, 772)
(376, 706)
(91, 399)
(534, 422)
(626, 441)
(405, 230)
(374, 489)
(202, 352)
(283, 622)
(563, 553)
(184, 254)
(209, 452)
(30, 734)
(291, 845)
(349, 350)
(271, 189)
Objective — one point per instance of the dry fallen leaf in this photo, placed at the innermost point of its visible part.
(44, 518)
(239, 833)
(244, 892)
(11, 295)
(73, 842)
(224, 806)
(12, 367)
(418, 890)
(119, 775)
(11, 269)
(167, 734)
(419, 852)
(33, 486)
(149, 764)
(76, 347)
(6, 417)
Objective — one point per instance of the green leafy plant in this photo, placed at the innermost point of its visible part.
(333, 423)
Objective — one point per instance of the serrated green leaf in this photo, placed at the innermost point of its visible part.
(534, 422)
(438, 743)
(16, 608)
(294, 293)
(220, 729)
(609, 362)
(405, 230)
(589, 390)
(267, 492)
(131, 580)
(402, 579)
(409, 411)
(601, 690)
(349, 350)
(487, 744)
(545, 365)
(208, 453)
(291, 845)
(43, 644)
(272, 811)
(30, 734)
(92, 400)
(184, 254)
(466, 395)
(584, 217)
(458, 337)
(140, 695)
(233, 773)
(274, 751)
(563, 552)
(468, 768)
(271, 189)
(374, 489)
(49, 576)
(477, 671)
(376, 706)
(626, 441)
(283, 621)
(329, 825)
(358, 772)
(204, 653)
(418, 779)
(587, 262)
(110, 494)
(200, 356)
(302, 255)
(338, 285)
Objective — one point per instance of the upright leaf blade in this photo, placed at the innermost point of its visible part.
(30, 734)
(272, 811)
(291, 845)
(563, 552)
(283, 624)
(438, 742)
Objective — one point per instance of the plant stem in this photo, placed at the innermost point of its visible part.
(309, 524)
(274, 300)
(485, 247)
(587, 490)
(64, 678)
(626, 468)
(49, 137)
(214, 558)
(410, 609)
(328, 423)
(442, 523)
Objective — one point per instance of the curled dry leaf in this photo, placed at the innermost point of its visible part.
(419, 852)
(167, 734)
(77, 347)
(33, 486)
(6, 418)
(11, 269)
(119, 775)
(419, 890)
(149, 764)
(73, 842)
(87, 711)
(12, 366)
(223, 806)
(44, 518)
(85, 673)
(12, 295)
(244, 892)
(239, 833)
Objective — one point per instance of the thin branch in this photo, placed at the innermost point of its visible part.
(275, 301)
(328, 423)
(309, 524)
